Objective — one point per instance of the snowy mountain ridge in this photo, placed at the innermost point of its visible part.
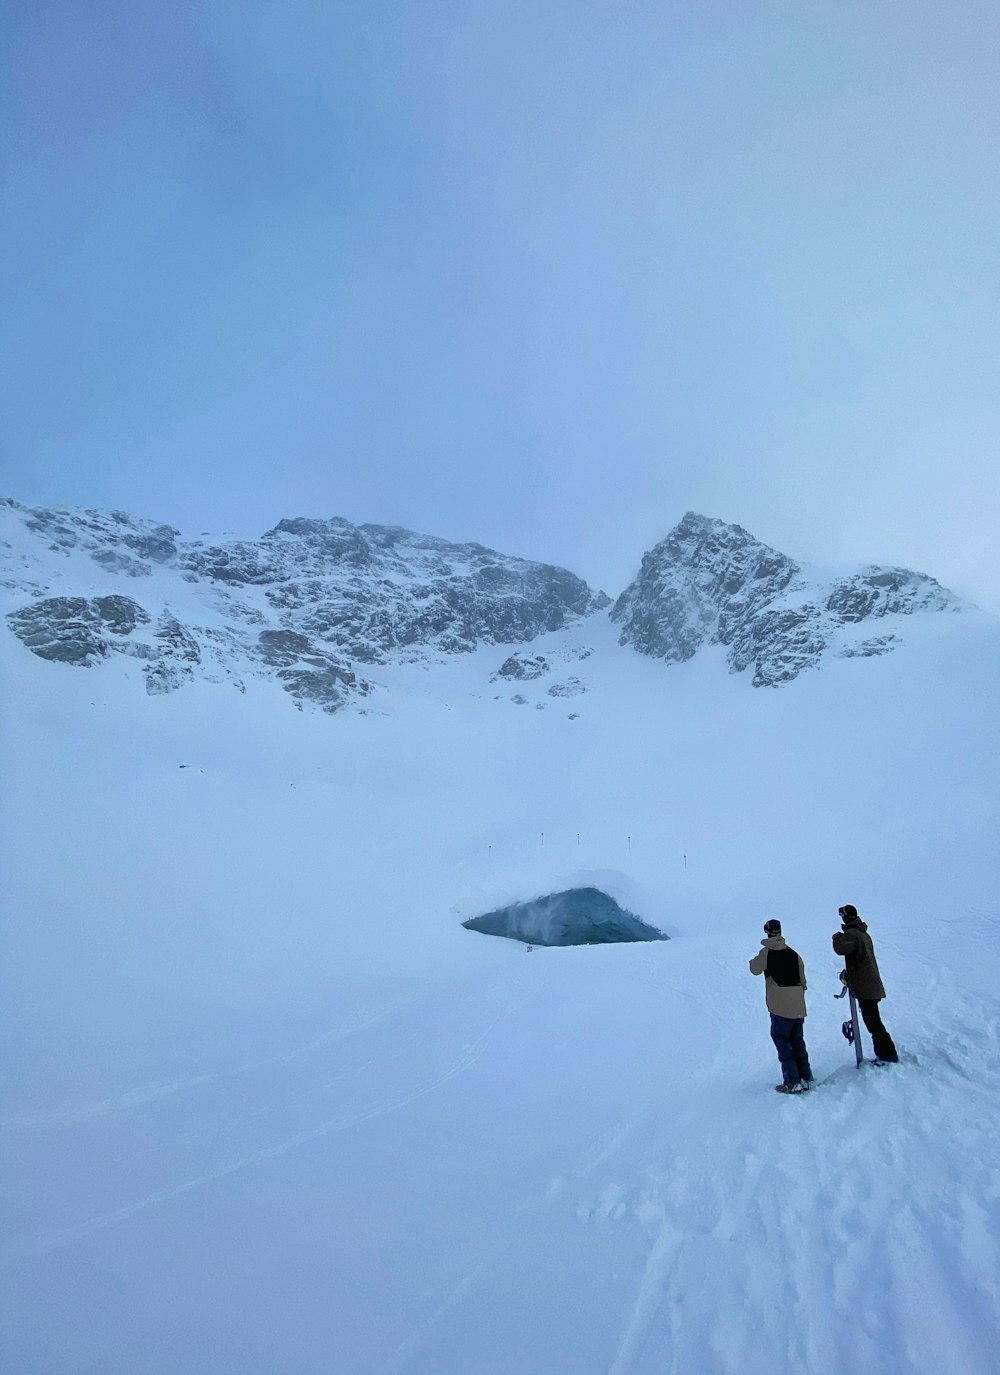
(712, 583)
(307, 603)
(317, 604)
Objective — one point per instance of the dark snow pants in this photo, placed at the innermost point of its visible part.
(882, 1041)
(786, 1033)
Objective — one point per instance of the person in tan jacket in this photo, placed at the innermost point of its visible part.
(785, 991)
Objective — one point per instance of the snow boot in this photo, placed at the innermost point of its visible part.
(800, 1087)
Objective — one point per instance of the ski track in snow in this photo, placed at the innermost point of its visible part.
(443, 1300)
(823, 1203)
(787, 1236)
(471, 1050)
(156, 1089)
(801, 1239)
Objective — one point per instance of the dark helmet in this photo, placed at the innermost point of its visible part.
(772, 927)
(848, 912)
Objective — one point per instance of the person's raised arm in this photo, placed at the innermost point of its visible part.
(845, 942)
(759, 961)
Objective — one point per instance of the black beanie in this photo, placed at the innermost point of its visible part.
(848, 912)
(772, 927)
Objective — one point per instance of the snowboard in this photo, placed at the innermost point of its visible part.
(852, 1027)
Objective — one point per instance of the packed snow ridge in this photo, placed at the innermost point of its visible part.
(316, 604)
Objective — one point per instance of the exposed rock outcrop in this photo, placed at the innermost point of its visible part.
(75, 630)
(521, 668)
(306, 603)
(709, 583)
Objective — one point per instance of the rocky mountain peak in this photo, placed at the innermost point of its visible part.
(697, 586)
(306, 603)
(711, 583)
(334, 541)
(314, 603)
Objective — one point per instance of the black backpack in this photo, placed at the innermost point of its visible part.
(783, 967)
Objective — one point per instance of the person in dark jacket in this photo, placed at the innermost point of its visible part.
(863, 978)
(785, 991)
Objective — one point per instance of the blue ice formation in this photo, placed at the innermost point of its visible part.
(579, 916)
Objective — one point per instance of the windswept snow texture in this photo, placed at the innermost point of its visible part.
(581, 916)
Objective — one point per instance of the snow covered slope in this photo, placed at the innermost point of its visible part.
(268, 1109)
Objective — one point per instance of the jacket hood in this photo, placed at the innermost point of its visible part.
(853, 924)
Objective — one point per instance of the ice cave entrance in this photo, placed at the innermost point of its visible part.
(579, 916)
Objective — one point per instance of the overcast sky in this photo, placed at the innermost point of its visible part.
(539, 273)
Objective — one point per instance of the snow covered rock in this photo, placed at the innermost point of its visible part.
(113, 539)
(74, 630)
(177, 654)
(303, 604)
(307, 673)
(711, 583)
(521, 667)
(572, 687)
(874, 592)
(697, 587)
(878, 644)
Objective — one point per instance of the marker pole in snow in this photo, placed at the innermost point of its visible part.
(851, 1029)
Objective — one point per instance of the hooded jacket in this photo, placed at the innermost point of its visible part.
(855, 944)
(784, 977)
